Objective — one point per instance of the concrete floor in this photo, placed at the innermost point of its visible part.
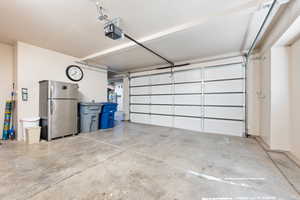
(143, 162)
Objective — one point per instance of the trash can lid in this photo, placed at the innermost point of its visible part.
(33, 119)
(90, 104)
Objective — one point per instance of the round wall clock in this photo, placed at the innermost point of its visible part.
(74, 73)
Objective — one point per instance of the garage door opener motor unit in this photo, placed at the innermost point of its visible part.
(112, 31)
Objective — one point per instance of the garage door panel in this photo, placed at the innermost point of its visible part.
(235, 128)
(140, 118)
(224, 86)
(163, 99)
(188, 110)
(161, 79)
(224, 99)
(140, 108)
(140, 81)
(162, 109)
(193, 124)
(164, 89)
(225, 72)
(161, 120)
(224, 112)
(211, 99)
(187, 76)
(140, 90)
(188, 88)
(188, 99)
(140, 99)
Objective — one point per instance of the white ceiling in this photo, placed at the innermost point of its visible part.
(213, 38)
(206, 28)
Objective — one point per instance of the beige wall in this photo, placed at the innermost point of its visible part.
(295, 99)
(253, 95)
(280, 86)
(275, 107)
(35, 64)
(265, 97)
(6, 78)
(275, 98)
(280, 99)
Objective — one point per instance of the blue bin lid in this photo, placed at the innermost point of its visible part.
(109, 104)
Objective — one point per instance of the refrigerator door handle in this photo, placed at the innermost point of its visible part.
(51, 107)
(51, 91)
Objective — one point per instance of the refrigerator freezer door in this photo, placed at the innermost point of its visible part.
(63, 117)
(61, 90)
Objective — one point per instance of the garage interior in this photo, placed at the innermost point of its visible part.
(150, 99)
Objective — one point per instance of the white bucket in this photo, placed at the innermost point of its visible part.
(29, 123)
(33, 135)
(119, 116)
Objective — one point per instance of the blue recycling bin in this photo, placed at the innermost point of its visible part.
(107, 115)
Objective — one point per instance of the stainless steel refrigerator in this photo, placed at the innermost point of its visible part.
(58, 109)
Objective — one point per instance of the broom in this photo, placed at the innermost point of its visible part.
(12, 128)
(7, 119)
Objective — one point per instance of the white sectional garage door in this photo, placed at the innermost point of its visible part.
(207, 99)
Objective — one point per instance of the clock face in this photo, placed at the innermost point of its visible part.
(74, 73)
